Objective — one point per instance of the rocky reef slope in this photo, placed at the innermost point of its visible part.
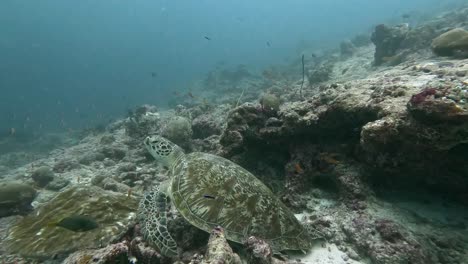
(370, 152)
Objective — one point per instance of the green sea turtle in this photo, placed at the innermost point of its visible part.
(210, 191)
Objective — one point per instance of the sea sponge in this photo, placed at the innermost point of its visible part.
(34, 236)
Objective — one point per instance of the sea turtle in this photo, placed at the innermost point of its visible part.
(211, 191)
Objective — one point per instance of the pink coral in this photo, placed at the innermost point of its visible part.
(421, 97)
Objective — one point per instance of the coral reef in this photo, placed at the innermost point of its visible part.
(371, 159)
(387, 41)
(35, 236)
(143, 121)
(258, 251)
(178, 130)
(57, 184)
(204, 126)
(15, 198)
(320, 73)
(270, 102)
(450, 43)
(115, 253)
(42, 176)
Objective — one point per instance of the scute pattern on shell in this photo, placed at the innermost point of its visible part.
(153, 220)
(209, 190)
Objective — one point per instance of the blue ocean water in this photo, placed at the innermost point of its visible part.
(73, 64)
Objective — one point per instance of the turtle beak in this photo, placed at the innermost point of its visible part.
(147, 141)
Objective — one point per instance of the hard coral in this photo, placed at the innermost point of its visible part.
(450, 42)
(33, 236)
(15, 198)
(179, 130)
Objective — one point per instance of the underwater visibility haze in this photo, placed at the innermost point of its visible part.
(85, 62)
(210, 131)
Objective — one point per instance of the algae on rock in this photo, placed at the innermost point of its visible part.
(33, 236)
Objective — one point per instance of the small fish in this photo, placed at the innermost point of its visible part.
(209, 196)
(129, 192)
(329, 158)
(314, 56)
(191, 95)
(298, 169)
(268, 43)
(12, 131)
(76, 223)
(344, 70)
(207, 38)
(154, 74)
(406, 16)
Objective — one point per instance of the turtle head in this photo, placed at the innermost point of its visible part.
(163, 150)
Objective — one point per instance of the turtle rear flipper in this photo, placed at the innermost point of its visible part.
(153, 220)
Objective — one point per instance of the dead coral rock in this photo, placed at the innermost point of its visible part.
(259, 252)
(209, 145)
(438, 111)
(451, 42)
(320, 73)
(143, 121)
(113, 152)
(387, 41)
(88, 158)
(339, 120)
(57, 184)
(243, 128)
(219, 251)
(377, 134)
(145, 253)
(204, 126)
(388, 230)
(403, 249)
(107, 139)
(299, 173)
(354, 190)
(65, 165)
(115, 253)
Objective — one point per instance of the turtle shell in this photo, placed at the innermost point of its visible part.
(209, 190)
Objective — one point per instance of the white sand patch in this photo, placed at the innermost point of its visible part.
(325, 255)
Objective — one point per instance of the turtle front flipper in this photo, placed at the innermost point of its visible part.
(152, 213)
